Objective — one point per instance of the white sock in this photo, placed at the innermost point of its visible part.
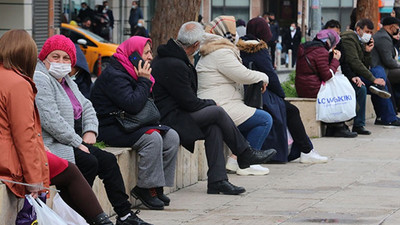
(125, 217)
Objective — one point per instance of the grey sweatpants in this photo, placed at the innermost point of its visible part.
(157, 157)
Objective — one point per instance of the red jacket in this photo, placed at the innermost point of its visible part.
(309, 78)
(23, 157)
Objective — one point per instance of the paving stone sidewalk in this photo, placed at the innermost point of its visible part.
(359, 185)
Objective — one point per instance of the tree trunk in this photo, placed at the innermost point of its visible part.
(168, 18)
(368, 9)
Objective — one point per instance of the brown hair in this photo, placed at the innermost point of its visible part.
(18, 51)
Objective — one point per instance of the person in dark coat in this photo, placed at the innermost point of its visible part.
(254, 53)
(134, 15)
(123, 87)
(384, 55)
(274, 26)
(291, 40)
(80, 73)
(85, 12)
(106, 21)
(356, 82)
(195, 119)
(314, 67)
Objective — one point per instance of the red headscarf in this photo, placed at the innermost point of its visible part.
(135, 43)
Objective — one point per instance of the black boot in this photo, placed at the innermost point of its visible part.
(101, 219)
(133, 219)
(339, 130)
(148, 196)
(162, 197)
(251, 157)
(224, 187)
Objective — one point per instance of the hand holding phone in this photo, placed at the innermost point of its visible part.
(135, 58)
(144, 70)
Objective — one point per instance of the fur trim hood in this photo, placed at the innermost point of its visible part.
(251, 46)
(212, 43)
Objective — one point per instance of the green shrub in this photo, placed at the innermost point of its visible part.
(100, 145)
(288, 86)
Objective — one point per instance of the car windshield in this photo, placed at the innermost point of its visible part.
(93, 35)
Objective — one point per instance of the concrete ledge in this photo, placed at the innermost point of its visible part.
(308, 114)
(190, 168)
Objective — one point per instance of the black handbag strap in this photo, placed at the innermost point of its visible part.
(309, 64)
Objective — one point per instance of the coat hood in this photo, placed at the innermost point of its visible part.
(308, 47)
(212, 43)
(251, 46)
(81, 60)
(172, 49)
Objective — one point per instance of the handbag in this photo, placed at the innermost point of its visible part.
(147, 116)
(336, 100)
(253, 93)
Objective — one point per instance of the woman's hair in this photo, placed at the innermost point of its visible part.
(18, 51)
(190, 33)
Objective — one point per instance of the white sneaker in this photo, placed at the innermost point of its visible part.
(232, 165)
(312, 157)
(255, 170)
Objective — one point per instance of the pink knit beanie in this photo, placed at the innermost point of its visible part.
(59, 42)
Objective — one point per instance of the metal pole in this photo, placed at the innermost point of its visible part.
(316, 17)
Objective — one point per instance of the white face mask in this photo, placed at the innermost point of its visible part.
(59, 70)
(365, 38)
(291, 28)
(134, 7)
(140, 25)
(104, 10)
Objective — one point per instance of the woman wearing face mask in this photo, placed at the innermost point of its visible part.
(221, 76)
(314, 66)
(123, 87)
(26, 159)
(70, 125)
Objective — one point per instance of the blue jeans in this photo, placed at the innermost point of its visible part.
(383, 106)
(256, 128)
(361, 98)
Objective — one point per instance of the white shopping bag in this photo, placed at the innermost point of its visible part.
(70, 216)
(45, 216)
(336, 100)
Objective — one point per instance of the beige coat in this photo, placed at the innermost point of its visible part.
(221, 76)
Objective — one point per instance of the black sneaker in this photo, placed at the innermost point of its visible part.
(379, 90)
(133, 219)
(394, 123)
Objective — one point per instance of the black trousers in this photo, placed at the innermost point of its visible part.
(104, 164)
(218, 128)
(296, 128)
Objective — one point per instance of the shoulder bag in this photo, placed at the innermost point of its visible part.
(149, 115)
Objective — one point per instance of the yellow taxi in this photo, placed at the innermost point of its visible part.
(93, 46)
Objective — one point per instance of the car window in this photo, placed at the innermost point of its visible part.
(93, 35)
(75, 36)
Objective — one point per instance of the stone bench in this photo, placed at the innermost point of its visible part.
(190, 168)
(308, 114)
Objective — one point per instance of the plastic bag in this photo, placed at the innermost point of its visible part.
(70, 216)
(27, 215)
(45, 216)
(336, 100)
